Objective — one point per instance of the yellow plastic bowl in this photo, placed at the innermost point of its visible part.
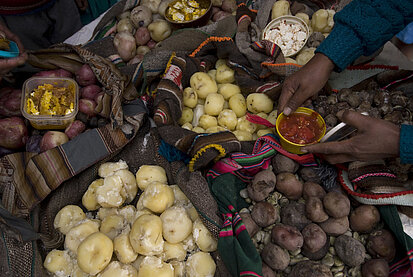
(295, 147)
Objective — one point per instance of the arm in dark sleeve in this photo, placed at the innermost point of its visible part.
(362, 27)
(406, 144)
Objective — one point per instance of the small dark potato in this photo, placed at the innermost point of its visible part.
(335, 226)
(252, 227)
(275, 257)
(229, 6)
(380, 244)
(220, 15)
(267, 271)
(314, 210)
(310, 269)
(281, 163)
(309, 174)
(314, 237)
(287, 236)
(142, 36)
(311, 189)
(318, 255)
(293, 214)
(264, 214)
(350, 250)
(262, 185)
(364, 218)
(289, 185)
(336, 204)
(375, 268)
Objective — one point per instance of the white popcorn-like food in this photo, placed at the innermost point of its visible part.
(289, 37)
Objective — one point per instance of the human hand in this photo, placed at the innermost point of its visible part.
(9, 63)
(305, 83)
(82, 4)
(375, 139)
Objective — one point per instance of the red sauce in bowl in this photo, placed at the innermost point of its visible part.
(300, 128)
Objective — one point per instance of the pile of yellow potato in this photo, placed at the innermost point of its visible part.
(162, 236)
(213, 104)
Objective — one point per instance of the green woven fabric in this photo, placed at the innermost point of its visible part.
(234, 243)
(94, 9)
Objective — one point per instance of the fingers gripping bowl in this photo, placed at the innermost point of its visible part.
(301, 128)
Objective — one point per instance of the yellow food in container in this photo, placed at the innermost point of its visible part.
(181, 11)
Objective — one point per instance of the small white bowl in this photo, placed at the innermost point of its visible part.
(289, 19)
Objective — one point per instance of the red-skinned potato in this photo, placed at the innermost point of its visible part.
(267, 271)
(311, 189)
(294, 214)
(220, 15)
(90, 92)
(351, 251)
(229, 6)
(335, 226)
(289, 185)
(142, 36)
(54, 73)
(314, 237)
(74, 129)
(151, 44)
(336, 204)
(281, 163)
(314, 210)
(275, 257)
(13, 133)
(52, 139)
(310, 269)
(380, 244)
(264, 214)
(287, 237)
(10, 101)
(87, 106)
(262, 185)
(250, 225)
(85, 76)
(364, 218)
(375, 268)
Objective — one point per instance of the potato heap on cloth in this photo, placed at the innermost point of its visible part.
(162, 236)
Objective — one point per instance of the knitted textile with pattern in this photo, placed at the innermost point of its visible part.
(362, 27)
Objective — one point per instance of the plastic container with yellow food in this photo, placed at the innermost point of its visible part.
(50, 102)
(301, 128)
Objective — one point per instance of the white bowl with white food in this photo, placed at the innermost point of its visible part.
(289, 32)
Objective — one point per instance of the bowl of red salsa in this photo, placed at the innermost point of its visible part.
(301, 128)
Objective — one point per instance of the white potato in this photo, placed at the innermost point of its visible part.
(129, 183)
(214, 104)
(187, 126)
(189, 244)
(109, 168)
(203, 84)
(272, 117)
(192, 212)
(220, 62)
(68, 217)
(323, 20)
(259, 126)
(263, 132)
(203, 237)
(176, 224)
(128, 212)
(304, 17)
(190, 97)
(116, 269)
(94, 253)
(150, 173)
(225, 74)
(78, 233)
(238, 105)
(305, 55)
(142, 212)
(187, 116)
(198, 130)
(179, 268)
(58, 262)
(227, 119)
(244, 125)
(228, 90)
(173, 251)
(215, 129)
(142, 50)
(112, 225)
(89, 198)
(76, 271)
(254, 136)
(105, 212)
(259, 102)
(206, 121)
(146, 235)
(201, 101)
(226, 105)
(157, 197)
(198, 112)
(138, 262)
(153, 266)
(153, 5)
(280, 8)
(212, 73)
(159, 30)
(180, 197)
(242, 135)
(200, 264)
(123, 248)
(112, 194)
